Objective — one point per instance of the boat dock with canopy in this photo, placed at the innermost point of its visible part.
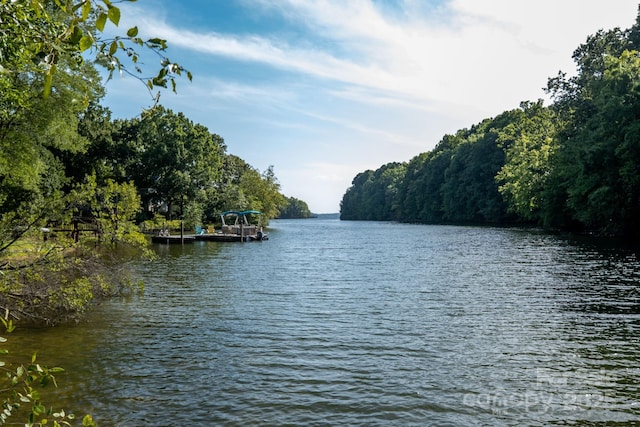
(235, 228)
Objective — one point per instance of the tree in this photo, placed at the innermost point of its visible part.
(409, 191)
(530, 143)
(49, 281)
(601, 160)
(225, 194)
(470, 193)
(373, 195)
(34, 129)
(176, 161)
(112, 206)
(101, 156)
(295, 208)
(262, 192)
(352, 206)
(594, 168)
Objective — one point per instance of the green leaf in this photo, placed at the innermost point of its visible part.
(48, 79)
(76, 35)
(158, 43)
(114, 15)
(101, 21)
(113, 48)
(86, 9)
(133, 31)
(85, 43)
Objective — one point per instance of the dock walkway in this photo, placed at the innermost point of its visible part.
(207, 237)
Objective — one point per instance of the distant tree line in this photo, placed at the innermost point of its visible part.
(295, 208)
(573, 165)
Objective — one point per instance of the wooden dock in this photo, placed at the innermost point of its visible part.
(173, 239)
(208, 237)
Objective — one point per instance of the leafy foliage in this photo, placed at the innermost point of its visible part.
(37, 35)
(573, 165)
(171, 159)
(58, 279)
(530, 141)
(372, 194)
(295, 208)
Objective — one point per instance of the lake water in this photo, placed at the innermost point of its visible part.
(362, 323)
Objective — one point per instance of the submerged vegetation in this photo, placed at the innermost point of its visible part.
(573, 165)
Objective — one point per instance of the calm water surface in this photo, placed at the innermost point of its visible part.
(359, 323)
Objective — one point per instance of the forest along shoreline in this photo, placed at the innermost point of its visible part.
(571, 166)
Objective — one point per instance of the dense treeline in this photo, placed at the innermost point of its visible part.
(572, 165)
(178, 167)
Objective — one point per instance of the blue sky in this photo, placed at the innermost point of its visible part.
(325, 89)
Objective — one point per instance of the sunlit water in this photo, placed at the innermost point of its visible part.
(360, 323)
